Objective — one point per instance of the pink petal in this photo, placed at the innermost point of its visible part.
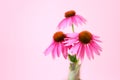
(75, 49)
(97, 46)
(58, 49)
(70, 42)
(74, 20)
(80, 19)
(54, 51)
(94, 49)
(49, 49)
(62, 24)
(82, 52)
(79, 49)
(78, 52)
(64, 51)
(91, 50)
(88, 52)
(95, 38)
(70, 22)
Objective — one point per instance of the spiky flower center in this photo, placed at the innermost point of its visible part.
(85, 37)
(59, 36)
(70, 13)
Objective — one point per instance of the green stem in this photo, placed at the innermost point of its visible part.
(73, 28)
(74, 71)
(74, 68)
(73, 57)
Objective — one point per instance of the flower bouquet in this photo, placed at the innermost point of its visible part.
(73, 46)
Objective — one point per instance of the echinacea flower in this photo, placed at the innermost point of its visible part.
(57, 46)
(84, 42)
(71, 19)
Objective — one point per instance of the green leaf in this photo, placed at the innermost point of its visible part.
(72, 58)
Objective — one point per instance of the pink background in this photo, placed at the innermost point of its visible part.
(26, 29)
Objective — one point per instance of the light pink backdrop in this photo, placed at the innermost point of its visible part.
(26, 28)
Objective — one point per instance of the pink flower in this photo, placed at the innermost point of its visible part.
(70, 19)
(84, 42)
(57, 45)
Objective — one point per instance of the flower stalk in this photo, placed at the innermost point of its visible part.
(73, 28)
(74, 68)
(74, 71)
